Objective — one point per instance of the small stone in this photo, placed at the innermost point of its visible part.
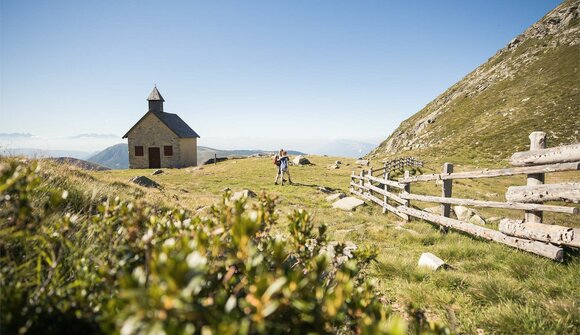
(156, 172)
(244, 194)
(363, 162)
(333, 167)
(144, 181)
(300, 160)
(430, 261)
(463, 213)
(348, 203)
(226, 189)
(335, 196)
(476, 219)
(325, 189)
(337, 163)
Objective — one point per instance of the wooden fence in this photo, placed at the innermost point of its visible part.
(529, 234)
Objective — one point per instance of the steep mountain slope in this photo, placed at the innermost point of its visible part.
(114, 157)
(531, 84)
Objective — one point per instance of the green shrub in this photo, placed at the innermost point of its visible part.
(126, 267)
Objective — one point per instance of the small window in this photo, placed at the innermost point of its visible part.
(168, 150)
(138, 150)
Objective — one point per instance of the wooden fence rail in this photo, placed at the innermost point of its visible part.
(530, 234)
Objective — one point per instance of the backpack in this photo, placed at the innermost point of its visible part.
(276, 160)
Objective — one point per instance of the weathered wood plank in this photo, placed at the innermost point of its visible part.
(545, 192)
(494, 173)
(386, 182)
(385, 193)
(390, 208)
(562, 154)
(541, 232)
(536, 247)
(446, 190)
(490, 204)
(352, 183)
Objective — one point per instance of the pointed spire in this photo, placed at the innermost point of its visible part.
(155, 100)
(155, 95)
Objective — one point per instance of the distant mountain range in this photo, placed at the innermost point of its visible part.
(117, 156)
(344, 148)
(41, 153)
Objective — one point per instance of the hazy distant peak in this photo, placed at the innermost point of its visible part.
(95, 135)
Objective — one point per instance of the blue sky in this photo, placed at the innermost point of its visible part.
(242, 73)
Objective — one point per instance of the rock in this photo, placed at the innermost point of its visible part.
(325, 189)
(493, 219)
(476, 219)
(333, 167)
(226, 189)
(156, 172)
(337, 163)
(183, 190)
(144, 181)
(243, 194)
(213, 160)
(300, 160)
(463, 213)
(430, 261)
(348, 203)
(364, 162)
(335, 196)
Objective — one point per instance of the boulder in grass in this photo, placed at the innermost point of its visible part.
(333, 167)
(156, 172)
(362, 162)
(476, 219)
(348, 203)
(243, 194)
(430, 261)
(144, 181)
(300, 160)
(335, 196)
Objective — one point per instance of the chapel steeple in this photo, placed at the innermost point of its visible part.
(155, 101)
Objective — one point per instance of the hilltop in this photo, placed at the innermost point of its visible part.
(530, 84)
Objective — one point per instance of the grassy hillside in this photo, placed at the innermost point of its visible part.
(530, 85)
(490, 286)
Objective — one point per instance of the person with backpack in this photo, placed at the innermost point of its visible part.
(283, 167)
(276, 161)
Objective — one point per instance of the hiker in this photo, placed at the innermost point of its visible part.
(276, 161)
(284, 167)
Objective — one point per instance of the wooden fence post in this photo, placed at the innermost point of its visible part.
(446, 190)
(352, 180)
(361, 182)
(386, 187)
(408, 190)
(537, 141)
(214, 159)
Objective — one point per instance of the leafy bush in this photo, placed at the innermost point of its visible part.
(125, 267)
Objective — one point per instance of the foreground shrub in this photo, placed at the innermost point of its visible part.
(125, 267)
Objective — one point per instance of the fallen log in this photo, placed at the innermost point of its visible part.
(561, 154)
(490, 204)
(536, 247)
(574, 166)
(541, 232)
(544, 192)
